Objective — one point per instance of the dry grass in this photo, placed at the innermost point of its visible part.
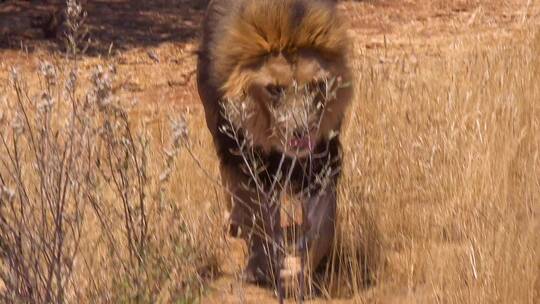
(443, 157)
(439, 200)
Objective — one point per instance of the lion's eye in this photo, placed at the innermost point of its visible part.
(321, 86)
(317, 87)
(275, 91)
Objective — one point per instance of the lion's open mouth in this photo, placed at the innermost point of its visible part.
(302, 143)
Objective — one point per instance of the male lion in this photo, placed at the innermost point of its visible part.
(274, 82)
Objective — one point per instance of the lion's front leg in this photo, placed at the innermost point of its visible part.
(315, 236)
(319, 226)
(255, 218)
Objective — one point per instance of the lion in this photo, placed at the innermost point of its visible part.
(274, 81)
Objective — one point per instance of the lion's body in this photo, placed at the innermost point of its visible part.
(249, 47)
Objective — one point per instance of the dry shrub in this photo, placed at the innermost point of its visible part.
(89, 202)
(87, 207)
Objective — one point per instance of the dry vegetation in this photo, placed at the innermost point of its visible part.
(443, 157)
(92, 202)
(106, 200)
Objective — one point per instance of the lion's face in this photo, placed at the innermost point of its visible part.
(285, 102)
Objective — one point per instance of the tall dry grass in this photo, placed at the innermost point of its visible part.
(110, 201)
(442, 178)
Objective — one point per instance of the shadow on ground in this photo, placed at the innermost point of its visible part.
(123, 23)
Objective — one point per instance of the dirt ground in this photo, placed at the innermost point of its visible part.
(153, 44)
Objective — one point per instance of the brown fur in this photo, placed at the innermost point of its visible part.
(253, 33)
(248, 48)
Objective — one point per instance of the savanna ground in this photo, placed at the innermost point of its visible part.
(106, 196)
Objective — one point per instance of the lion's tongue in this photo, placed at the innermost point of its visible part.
(303, 143)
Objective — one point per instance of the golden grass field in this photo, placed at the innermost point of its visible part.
(439, 201)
